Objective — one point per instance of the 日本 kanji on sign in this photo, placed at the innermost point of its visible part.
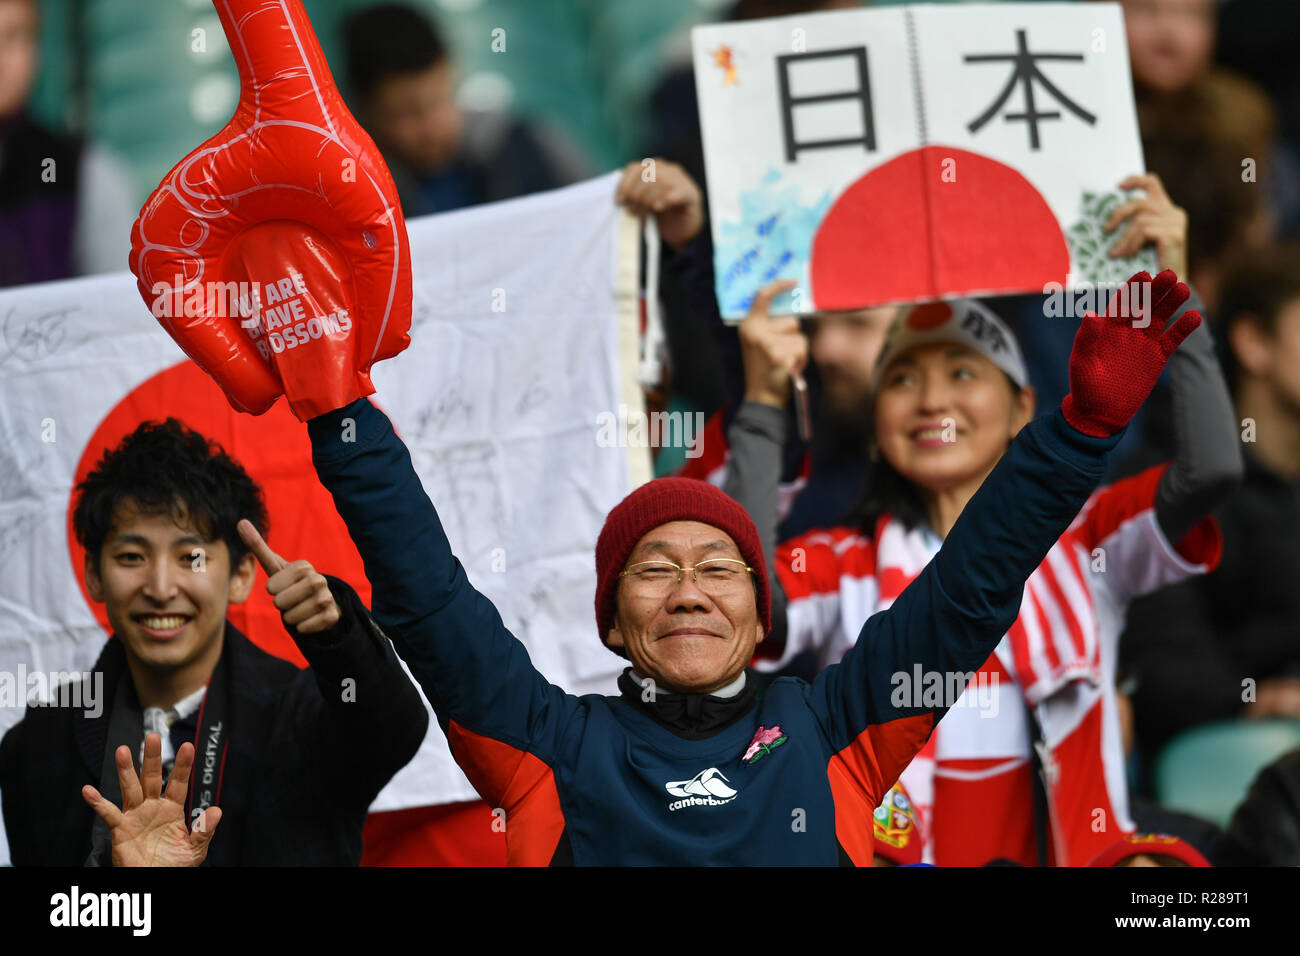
(909, 153)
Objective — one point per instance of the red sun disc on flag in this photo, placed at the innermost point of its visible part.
(982, 224)
(928, 315)
(274, 449)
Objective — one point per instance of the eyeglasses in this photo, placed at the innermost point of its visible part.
(718, 577)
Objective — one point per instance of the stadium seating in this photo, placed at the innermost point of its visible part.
(1207, 770)
(584, 66)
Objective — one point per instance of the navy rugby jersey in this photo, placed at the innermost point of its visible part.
(595, 780)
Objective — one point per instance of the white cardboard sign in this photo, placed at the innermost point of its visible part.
(916, 152)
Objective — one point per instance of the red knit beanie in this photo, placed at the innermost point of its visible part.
(659, 502)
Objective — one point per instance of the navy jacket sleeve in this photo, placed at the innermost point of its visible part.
(952, 616)
(363, 708)
(502, 718)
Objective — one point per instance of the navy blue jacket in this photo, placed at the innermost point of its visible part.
(592, 779)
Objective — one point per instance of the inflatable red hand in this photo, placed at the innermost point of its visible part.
(276, 254)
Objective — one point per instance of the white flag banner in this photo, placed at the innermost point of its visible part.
(523, 350)
(916, 152)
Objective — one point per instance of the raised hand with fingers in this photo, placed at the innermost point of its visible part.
(276, 254)
(773, 348)
(1118, 357)
(151, 829)
(302, 594)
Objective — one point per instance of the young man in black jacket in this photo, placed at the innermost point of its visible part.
(293, 757)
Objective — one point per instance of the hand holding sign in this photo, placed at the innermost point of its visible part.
(302, 595)
(774, 349)
(1152, 219)
(276, 254)
(150, 829)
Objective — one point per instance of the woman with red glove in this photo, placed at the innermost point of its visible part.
(951, 393)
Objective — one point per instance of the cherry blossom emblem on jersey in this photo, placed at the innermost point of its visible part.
(764, 742)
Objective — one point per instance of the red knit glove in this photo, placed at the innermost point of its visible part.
(1118, 357)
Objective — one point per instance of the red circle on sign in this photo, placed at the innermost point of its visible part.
(274, 449)
(935, 221)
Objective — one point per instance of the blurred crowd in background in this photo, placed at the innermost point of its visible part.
(473, 101)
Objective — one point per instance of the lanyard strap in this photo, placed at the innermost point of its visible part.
(211, 741)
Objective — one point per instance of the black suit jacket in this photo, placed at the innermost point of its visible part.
(305, 759)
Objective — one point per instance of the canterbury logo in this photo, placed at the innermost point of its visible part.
(708, 788)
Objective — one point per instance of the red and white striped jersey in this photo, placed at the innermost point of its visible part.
(972, 784)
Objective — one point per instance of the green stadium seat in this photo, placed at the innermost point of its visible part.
(142, 75)
(585, 66)
(1207, 770)
(630, 43)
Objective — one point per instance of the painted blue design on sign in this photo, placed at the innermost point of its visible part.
(772, 240)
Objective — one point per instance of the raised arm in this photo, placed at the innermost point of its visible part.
(1207, 463)
(950, 618)
(494, 706)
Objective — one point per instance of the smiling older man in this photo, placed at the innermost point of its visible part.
(689, 764)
